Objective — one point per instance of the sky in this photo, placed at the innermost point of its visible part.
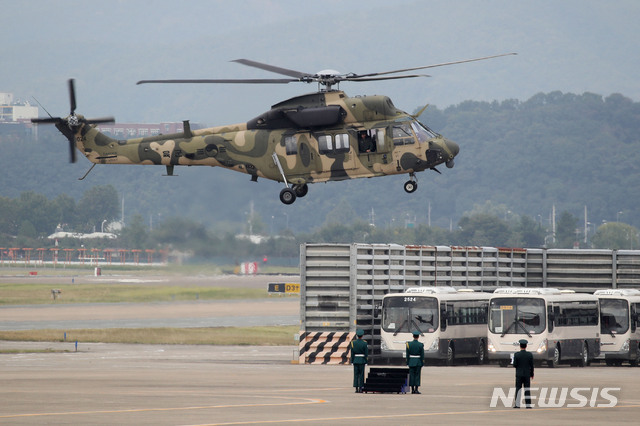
(571, 46)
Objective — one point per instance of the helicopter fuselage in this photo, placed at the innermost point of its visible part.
(319, 137)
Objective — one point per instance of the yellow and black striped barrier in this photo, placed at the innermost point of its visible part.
(318, 347)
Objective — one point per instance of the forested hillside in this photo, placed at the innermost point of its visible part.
(522, 157)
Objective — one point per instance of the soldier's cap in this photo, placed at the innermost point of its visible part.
(523, 342)
(359, 332)
(416, 333)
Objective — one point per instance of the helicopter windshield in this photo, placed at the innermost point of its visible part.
(422, 132)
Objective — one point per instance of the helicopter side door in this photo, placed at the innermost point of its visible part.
(337, 154)
(374, 149)
(301, 156)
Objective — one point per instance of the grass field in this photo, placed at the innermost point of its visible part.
(28, 294)
(255, 336)
(40, 293)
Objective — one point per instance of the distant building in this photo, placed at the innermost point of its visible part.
(15, 118)
(16, 111)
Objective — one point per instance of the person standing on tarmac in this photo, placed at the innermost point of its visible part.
(359, 355)
(415, 360)
(523, 363)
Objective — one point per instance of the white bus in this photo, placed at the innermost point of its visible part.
(452, 323)
(560, 325)
(619, 325)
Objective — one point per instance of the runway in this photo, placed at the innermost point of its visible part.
(105, 384)
(233, 313)
(201, 313)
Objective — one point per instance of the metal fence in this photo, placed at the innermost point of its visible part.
(342, 283)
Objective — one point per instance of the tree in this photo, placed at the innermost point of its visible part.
(566, 230)
(135, 234)
(616, 236)
(484, 230)
(39, 211)
(66, 207)
(8, 216)
(97, 204)
(528, 233)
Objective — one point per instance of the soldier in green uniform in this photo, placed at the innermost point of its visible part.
(415, 360)
(359, 354)
(523, 363)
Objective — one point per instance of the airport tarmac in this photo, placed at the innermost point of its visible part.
(106, 384)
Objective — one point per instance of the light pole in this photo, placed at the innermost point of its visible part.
(102, 226)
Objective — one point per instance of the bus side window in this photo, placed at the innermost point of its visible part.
(443, 316)
(634, 316)
(551, 317)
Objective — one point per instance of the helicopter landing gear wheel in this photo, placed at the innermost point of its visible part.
(410, 186)
(301, 190)
(287, 196)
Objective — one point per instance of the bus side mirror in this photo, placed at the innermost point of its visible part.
(376, 311)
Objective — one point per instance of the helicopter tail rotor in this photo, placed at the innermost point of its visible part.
(70, 124)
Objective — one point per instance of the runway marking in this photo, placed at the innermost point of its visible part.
(397, 416)
(305, 401)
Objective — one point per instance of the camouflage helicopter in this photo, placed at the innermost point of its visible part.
(317, 137)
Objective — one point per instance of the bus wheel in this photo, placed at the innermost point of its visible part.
(481, 354)
(555, 361)
(584, 356)
(450, 356)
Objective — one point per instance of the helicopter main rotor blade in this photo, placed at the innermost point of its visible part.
(72, 96)
(72, 152)
(277, 70)
(226, 81)
(46, 120)
(100, 120)
(394, 77)
(433, 66)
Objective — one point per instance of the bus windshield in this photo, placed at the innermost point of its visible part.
(517, 315)
(409, 313)
(614, 316)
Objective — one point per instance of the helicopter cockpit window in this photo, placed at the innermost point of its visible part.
(402, 134)
(290, 144)
(422, 132)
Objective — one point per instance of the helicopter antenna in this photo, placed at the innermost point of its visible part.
(42, 106)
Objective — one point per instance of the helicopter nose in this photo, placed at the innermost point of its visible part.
(452, 147)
